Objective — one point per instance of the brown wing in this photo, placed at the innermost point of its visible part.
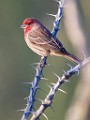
(44, 38)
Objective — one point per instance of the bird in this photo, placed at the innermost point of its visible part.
(41, 41)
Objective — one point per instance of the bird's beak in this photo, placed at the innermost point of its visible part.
(23, 26)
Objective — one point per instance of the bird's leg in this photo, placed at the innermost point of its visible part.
(43, 61)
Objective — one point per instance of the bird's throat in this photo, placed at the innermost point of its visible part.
(27, 29)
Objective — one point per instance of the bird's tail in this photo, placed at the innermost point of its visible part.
(73, 58)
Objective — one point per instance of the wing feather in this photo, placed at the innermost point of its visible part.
(44, 38)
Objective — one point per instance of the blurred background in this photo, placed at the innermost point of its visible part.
(16, 58)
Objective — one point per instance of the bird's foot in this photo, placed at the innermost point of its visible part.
(43, 61)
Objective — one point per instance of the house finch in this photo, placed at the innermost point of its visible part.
(42, 42)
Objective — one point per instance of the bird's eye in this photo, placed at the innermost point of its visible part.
(29, 23)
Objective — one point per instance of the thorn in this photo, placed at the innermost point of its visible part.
(64, 71)
(69, 65)
(26, 98)
(29, 83)
(54, 24)
(78, 72)
(35, 64)
(66, 80)
(49, 86)
(35, 68)
(40, 100)
(60, 17)
(52, 83)
(57, 76)
(59, 29)
(45, 116)
(62, 90)
(22, 110)
(37, 87)
(44, 78)
(51, 15)
(84, 55)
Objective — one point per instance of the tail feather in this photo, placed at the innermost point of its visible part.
(73, 58)
(70, 57)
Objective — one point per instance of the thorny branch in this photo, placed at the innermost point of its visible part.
(33, 90)
(56, 86)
